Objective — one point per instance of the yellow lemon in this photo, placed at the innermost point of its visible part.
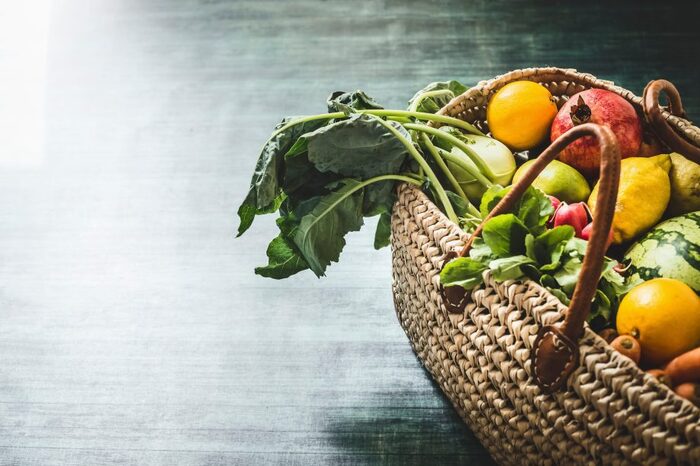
(663, 314)
(520, 114)
(642, 197)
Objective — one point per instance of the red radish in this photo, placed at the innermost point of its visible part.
(588, 229)
(575, 215)
(555, 202)
(602, 107)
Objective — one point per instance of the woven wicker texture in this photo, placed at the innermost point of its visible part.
(609, 413)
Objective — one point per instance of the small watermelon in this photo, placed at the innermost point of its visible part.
(669, 250)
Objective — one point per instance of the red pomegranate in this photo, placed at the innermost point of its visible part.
(604, 108)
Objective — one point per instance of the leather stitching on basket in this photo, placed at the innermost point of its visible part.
(454, 307)
(559, 344)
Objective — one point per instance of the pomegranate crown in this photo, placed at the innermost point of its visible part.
(580, 112)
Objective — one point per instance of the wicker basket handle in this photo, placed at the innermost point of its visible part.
(664, 131)
(555, 352)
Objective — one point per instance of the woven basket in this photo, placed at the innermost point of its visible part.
(608, 411)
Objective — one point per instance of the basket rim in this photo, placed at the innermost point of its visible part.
(484, 88)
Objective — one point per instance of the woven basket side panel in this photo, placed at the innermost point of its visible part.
(612, 413)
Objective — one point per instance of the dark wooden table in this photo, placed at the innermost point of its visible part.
(132, 328)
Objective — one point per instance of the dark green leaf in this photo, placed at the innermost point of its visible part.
(301, 180)
(531, 271)
(548, 281)
(379, 198)
(348, 102)
(264, 189)
(358, 147)
(505, 235)
(491, 198)
(561, 296)
(247, 211)
(463, 271)
(320, 234)
(435, 103)
(459, 204)
(382, 236)
(601, 307)
(284, 259)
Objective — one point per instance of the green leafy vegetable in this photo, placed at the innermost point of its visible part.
(505, 235)
(567, 275)
(548, 247)
(358, 147)
(382, 235)
(320, 234)
(517, 245)
(284, 259)
(379, 198)
(461, 205)
(509, 268)
(350, 102)
(463, 271)
(264, 193)
(534, 208)
(436, 95)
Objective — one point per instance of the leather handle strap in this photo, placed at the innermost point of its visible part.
(664, 131)
(555, 352)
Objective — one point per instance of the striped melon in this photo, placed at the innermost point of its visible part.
(670, 250)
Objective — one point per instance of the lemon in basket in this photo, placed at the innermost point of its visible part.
(520, 114)
(664, 315)
(642, 196)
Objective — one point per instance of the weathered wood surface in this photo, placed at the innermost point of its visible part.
(133, 330)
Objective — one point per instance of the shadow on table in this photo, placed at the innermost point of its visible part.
(434, 435)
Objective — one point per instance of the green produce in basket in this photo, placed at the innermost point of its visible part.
(324, 174)
(519, 245)
(494, 153)
(559, 180)
(670, 250)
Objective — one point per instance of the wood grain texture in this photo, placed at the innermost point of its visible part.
(133, 329)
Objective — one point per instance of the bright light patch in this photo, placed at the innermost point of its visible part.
(24, 30)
